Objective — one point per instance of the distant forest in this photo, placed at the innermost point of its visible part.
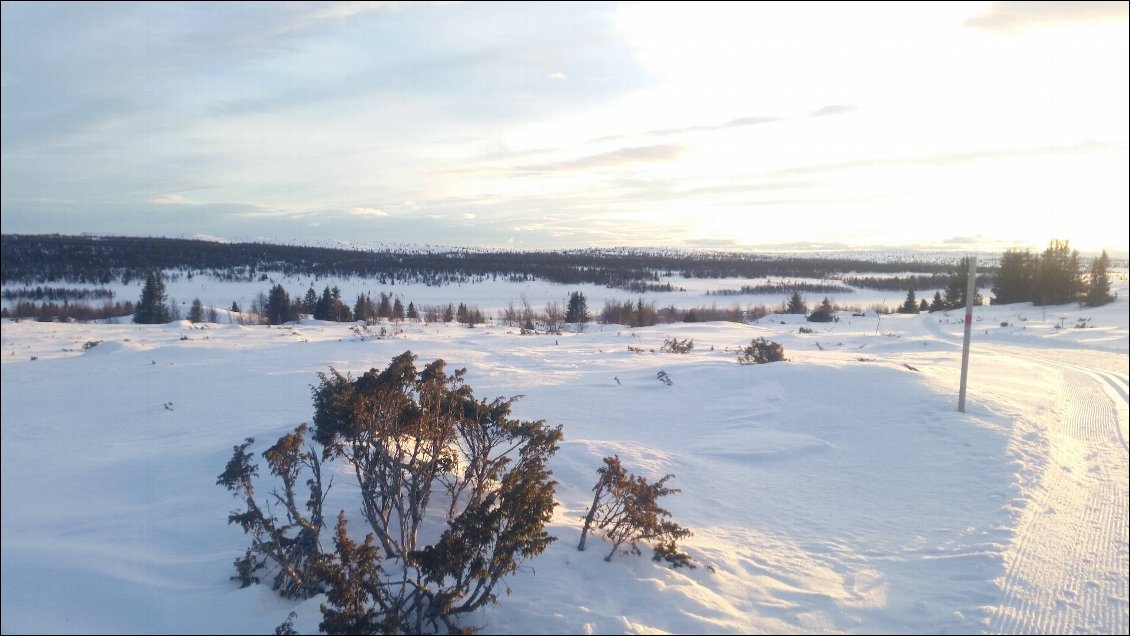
(32, 259)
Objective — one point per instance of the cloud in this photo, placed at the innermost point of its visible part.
(748, 121)
(169, 199)
(1020, 16)
(962, 240)
(468, 216)
(358, 211)
(710, 243)
(557, 76)
(947, 158)
(663, 132)
(833, 109)
(623, 156)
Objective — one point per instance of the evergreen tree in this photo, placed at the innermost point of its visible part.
(277, 309)
(1058, 277)
(823, 313)
(958, 285)
(412, 313)
(153, 308)
(340, 310)
(578, 308)
(397, 310)
(235, 307)
(449, 313)
(196, 314)
(323, 309)
(923, 306)
(938, 304)
(310, 301)
(385, 308)
(361, 308)
(910, 305)
(796, 304)
(1015, 277)
(1098, 285)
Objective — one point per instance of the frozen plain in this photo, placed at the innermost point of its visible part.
(839, 492)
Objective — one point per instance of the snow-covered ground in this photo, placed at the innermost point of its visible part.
(838, 492)
(493, 295)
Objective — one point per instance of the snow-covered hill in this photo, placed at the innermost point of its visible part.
(840, 491)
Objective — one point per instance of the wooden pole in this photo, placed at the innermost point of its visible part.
(970, 295)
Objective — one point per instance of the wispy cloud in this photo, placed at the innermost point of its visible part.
(360, 211)
(663, 132)
(945, 158)
(557, 76)
(169, 199)
(621, 157)
(1019, 16)
(833, 109)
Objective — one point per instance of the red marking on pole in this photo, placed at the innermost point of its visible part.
(968, 319)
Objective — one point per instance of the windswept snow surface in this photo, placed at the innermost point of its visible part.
(840, 491)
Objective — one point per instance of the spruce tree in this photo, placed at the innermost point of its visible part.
(278, 306)
(910, 305)
(796, 304)
(1014, 277)
(578, 308)
(938, 304)
(1058, 276)
(957, 287)
(310, 301)
(823, 313)
(153, 307)
(1098, 285)
(196, 314)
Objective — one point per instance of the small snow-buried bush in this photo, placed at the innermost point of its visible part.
(761, 351)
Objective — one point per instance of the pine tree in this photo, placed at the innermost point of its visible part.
(323, 309)
(578, 308)
(310, 301)
(910, 305)
(1058, 276)
(361, 308)
(397, 310)
(1014, 277)
(412, 313)
(923, 306)
(938, 304)
(153, 307)
(823, 313)
(958, 286)
(1098, 284)
(278, 306)
(196, 314)
(796, 304)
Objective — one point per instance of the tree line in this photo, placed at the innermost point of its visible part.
(36, 258)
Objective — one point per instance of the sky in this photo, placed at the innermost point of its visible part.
(562, 125)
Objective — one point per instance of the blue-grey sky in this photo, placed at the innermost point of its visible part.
(549, 125)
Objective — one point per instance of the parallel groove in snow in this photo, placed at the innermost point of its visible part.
(1066, 572)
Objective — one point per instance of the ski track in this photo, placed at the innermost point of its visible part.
(1066, 570)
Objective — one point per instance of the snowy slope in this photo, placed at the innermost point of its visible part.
(838, 492)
